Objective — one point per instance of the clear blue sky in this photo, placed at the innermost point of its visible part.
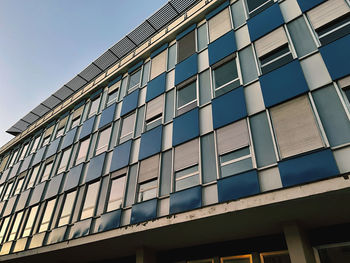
(45, 43)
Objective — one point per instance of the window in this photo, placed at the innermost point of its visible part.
(8, 190)
(30, 221)
(148, 178)
(186, 97)
(61, 126)
(272, 257)
(46, 141)
(5, 223)
(90, 200)
(202, 37)
(67, 209)
(45, 221)
(113, 92)
(331, 20)
(47, 171)
(145, 73)
(344, 84)
(225, 76)
(154, 112)
(47, 135)
(35, 144)
(334, 253)
(19, 185)
(159, 64)
(83, 150)
(116, 193)
(15, 226)
(127, 128)
(13, 158)
(233, 148)
(186, 165)
(295, 127)
(24, 151)
(186, 46)
(3, 162)
(33, 176)
(76, 117)
(64, 161)
(237, 259)
(94, 106)
(103, 140)
(273, 50)
(219, 25)
(257, 6)
(171, 57)
(134, 80)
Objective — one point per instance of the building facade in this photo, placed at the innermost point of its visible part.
(216, 131)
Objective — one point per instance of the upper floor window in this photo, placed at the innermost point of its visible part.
(76, 117)
(116, 193)
(154, 112)
(33, 176)
(15, 227)
(127, 128)
(186, 46)
(331, 20)
(83, 151)
(257, 6)
(35, 144)
(46, 219)
(134, 80)
(67, 209)
(148, 178)
(186, 96)
(24, 151)
(30, 221)
(103, 140)
(219, 24)
(94, 106)
(61, 125)
(90, 200)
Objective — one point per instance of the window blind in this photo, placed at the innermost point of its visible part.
(295, 127)
(158, 64)
(149, 169)
(186, 155)
(78, 112)
(154, 107)
(232, 137)
(114, 87)
(219, 25)
(327, 12)
(62, 123)
(344, 82)
(186, 46)
(270, 42)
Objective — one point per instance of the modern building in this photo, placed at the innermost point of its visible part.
(216, 131)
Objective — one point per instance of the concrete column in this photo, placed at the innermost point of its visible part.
(298, 244)
(145, 255)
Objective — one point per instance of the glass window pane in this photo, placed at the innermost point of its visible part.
(130, 194)
(145, 73)
(19, 185)
(165, 181)
(169, 105)
(35, 144)
(219, 24)
(115, 200)
(5, 223)
(67, 209)
(301, 37)
(103, 141)
(128, 126)
(8, 191)
(204, 87)
(83, 150)
(33, 176)
(64, 161)
(202, 37)
(334, 254)
(123, 88)
(45, 221)
(248, 65)
(30, 221)
(186, 94)
(24, 151)
(134, 80)
(187, 182)
(333, 116)
(139, 122)
(186, 46)
(238, 13)
(225, 73)
(253, 4)
(208, 158)
(112, 97)
(47, 171)
(90, 201)
(147, 190)
(15, 226)
(94, 106)
(171, 57)
(262, 139)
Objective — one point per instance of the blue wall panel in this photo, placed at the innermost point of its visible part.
(186, 127)
(57, 235)
(73, 177)
(86, 130)
(238, 186)
(144, 211)
(39, 156)
(26, 163)
(336, 55)
(53, 147)
(151, 142)
(110, 221)
(156, 87)
(95, 167)
(135, 66)
(186, 200)
(130, 102)
(121, 156)
(265, 22)
(107, 116)
(68, 139)
(308, 168)
(222, 47)
(22, 201)
(37, 194)
(306, 5)
(283, 84)
(229, 108)
(114, 81)
(186, 69)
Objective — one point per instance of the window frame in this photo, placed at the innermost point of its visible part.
(99, 150)
(125, 137)
(138, 85)
(115, 176)
(191, 104)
